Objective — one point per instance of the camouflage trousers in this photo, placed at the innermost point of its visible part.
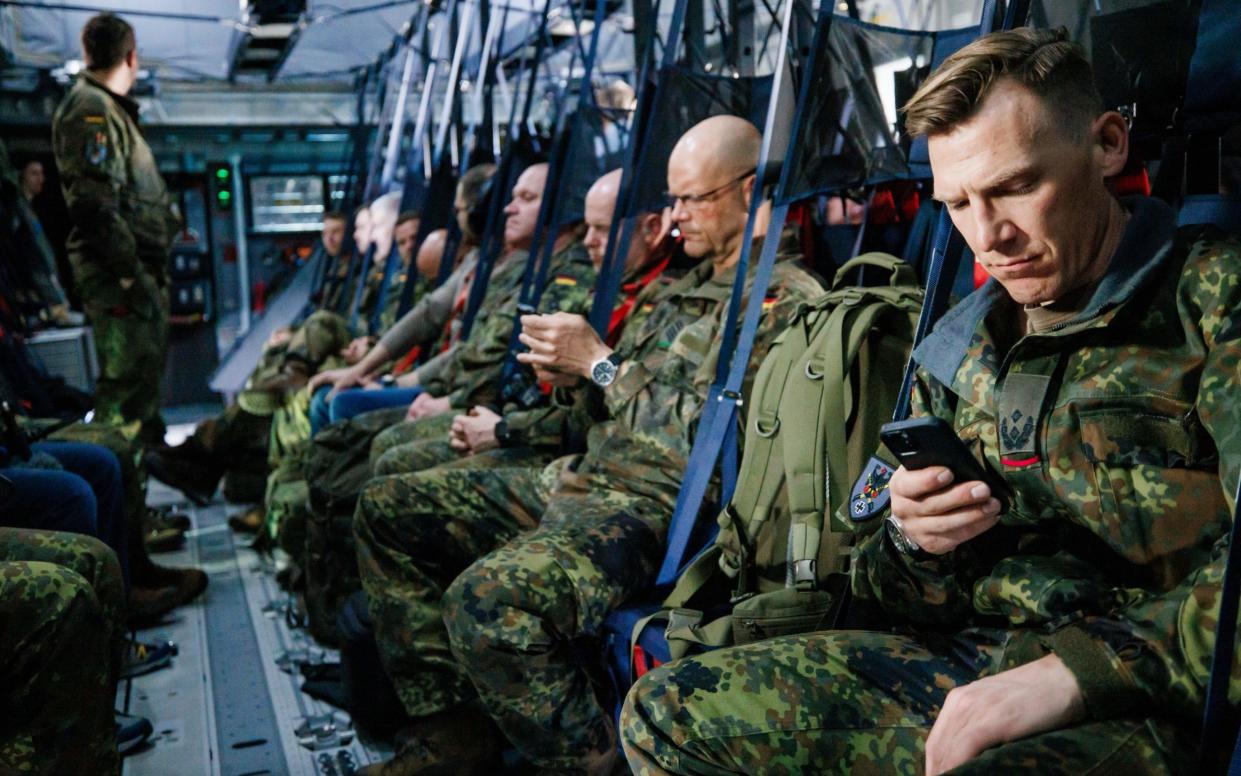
(412, 446)
(60, 646)
(524, 621)
(415, 533)
(859, 703)
(132, 350)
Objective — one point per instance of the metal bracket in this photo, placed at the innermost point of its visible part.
(291, 658)
(324, 731)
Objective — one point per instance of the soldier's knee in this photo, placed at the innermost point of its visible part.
(60, 600)
(96, 562)
(507, 605)
(389, 462)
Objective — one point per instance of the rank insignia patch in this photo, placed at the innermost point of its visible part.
(870, 493)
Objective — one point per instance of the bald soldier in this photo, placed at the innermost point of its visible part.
(472, 376)
(123, 227)
(526, 434)
(408, 563)
(584, 539)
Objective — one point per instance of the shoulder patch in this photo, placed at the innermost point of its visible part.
(870, 493)
(96, 151)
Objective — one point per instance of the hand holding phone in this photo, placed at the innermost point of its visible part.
(934, 512)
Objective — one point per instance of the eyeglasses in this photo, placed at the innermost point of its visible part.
(696, 201)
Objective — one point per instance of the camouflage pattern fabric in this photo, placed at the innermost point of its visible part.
(61, 632)
(337, 287)
(397, 448)
(415, 533)
(472, 376)
(1119, 433)
(132, 347)
(392, 300)
(123, 227)
(858, 703)
(522, 620)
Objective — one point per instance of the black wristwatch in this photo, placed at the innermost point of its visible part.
(603, 371)
(503, 435)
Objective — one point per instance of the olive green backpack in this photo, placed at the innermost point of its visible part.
(779, 564)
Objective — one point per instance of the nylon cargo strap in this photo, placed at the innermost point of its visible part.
(718, 415)
(1216, 733)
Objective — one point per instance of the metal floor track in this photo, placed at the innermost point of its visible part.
(225, 707)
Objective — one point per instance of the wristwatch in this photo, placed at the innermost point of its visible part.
(503, 435)
(896, 532)
(603, 371)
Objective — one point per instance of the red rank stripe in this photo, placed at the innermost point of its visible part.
(1020, 462)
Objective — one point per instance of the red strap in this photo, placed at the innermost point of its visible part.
(630, 291)
(642, 662)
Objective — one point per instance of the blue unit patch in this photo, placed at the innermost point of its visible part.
(870, 494)
(97, 149)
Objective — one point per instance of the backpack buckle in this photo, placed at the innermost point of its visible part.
(804, 574)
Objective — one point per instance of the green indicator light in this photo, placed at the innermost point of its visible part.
(224, 196)
(221, 173)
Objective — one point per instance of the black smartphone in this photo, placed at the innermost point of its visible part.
(923, 442)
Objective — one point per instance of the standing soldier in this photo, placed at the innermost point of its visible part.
(123, 225)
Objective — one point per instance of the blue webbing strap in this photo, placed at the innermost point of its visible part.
(492, 240)
(1216, 730)
(717, 427)
(945, 255)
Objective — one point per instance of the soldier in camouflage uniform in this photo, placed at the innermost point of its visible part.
(270, 415)
(473, 375)
(536, 435)
(123, 227)
(520, 620)
(61, 635)
(400, 517)
(1097, 373)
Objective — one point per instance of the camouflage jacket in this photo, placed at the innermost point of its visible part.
(670, 357)
(1120, 434)
(123, 220)
(472, 375)
(392, 297)
(562, 424)
(336, 283)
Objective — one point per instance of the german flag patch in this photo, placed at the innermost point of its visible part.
(565, 280)
(770, 302)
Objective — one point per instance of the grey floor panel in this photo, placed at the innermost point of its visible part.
(225, 688)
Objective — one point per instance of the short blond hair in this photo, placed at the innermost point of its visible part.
(1044, 61)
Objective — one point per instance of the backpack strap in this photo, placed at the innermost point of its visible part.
(814, 444)
(762, 471)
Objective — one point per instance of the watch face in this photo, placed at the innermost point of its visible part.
(603, 372)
